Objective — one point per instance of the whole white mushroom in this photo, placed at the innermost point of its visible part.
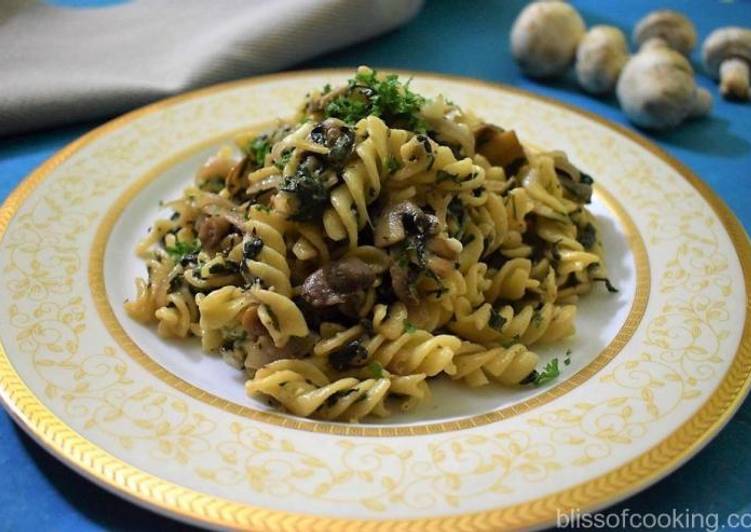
(657, 89)
(544, 38)
(669, 27)
(600, 57)
(727, 57)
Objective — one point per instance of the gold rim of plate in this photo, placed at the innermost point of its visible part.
(175, 500)
(117, 331)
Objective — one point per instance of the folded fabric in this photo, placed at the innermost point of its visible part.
(62, 65)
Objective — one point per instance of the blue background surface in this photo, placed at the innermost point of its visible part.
(38, 492)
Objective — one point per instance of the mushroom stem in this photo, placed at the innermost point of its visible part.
(734, 83)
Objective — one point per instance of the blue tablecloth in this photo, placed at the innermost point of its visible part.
(470, 39)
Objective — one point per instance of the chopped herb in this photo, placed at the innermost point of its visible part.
(455, 210)
(587, 236)
(409, 327)
(213, 185)
(376, 369)
(567, 360)
(548, 374)
(259, 147)
(352, 355)
(332, 399)
(612, 289)
(386, 98)
(224, 268)
(326, 89)
(442, 175)
(511, 342)
(536, 319)
(180, 249)
(261, 207)
(496, 321)
(252, 248)
(284, 159)
(175, 283)
(309, 192)
(585, 179)
(392, 164)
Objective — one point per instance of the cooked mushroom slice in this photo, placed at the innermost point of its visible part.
(544, 38)
(398, 221)
(238, 177)
(215, 171)
(600, 58)
(336, 136)
(727, 57)
(211, 231)
(668, 27)
(657, 89)
(576, 183)
(499, 147)
(337, 282)
(252, 323)
(262, 351)
(402, 284)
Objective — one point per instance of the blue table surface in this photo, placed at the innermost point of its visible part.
(39, 492)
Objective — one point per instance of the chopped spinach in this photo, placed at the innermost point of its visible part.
(252, 247)
(612, 289)
(496, 321)
(352, 355)
(310, 193)
(587, 236)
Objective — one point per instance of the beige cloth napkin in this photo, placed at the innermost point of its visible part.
(62, 65)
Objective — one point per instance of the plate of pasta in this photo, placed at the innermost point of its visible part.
(353, 298)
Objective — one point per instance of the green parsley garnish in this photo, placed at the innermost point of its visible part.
(496, 321)
(181, 249)
(409, 327)
(259, 147)
(567, 360)
(386, 97)
(548, 374)
(376, 369)
(392, 165)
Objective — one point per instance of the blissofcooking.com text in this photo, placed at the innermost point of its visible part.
(674, 519)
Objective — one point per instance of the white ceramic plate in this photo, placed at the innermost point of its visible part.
(656, 369)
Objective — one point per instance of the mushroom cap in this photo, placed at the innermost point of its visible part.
(672, 27)
(726, 43)
(600, 57)
(544, 38)
(657, 89)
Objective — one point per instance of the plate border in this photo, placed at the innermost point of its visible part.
(174, 500)
(103, 305)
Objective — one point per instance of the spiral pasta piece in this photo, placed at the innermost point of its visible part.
(305, 390)
(478, 366)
